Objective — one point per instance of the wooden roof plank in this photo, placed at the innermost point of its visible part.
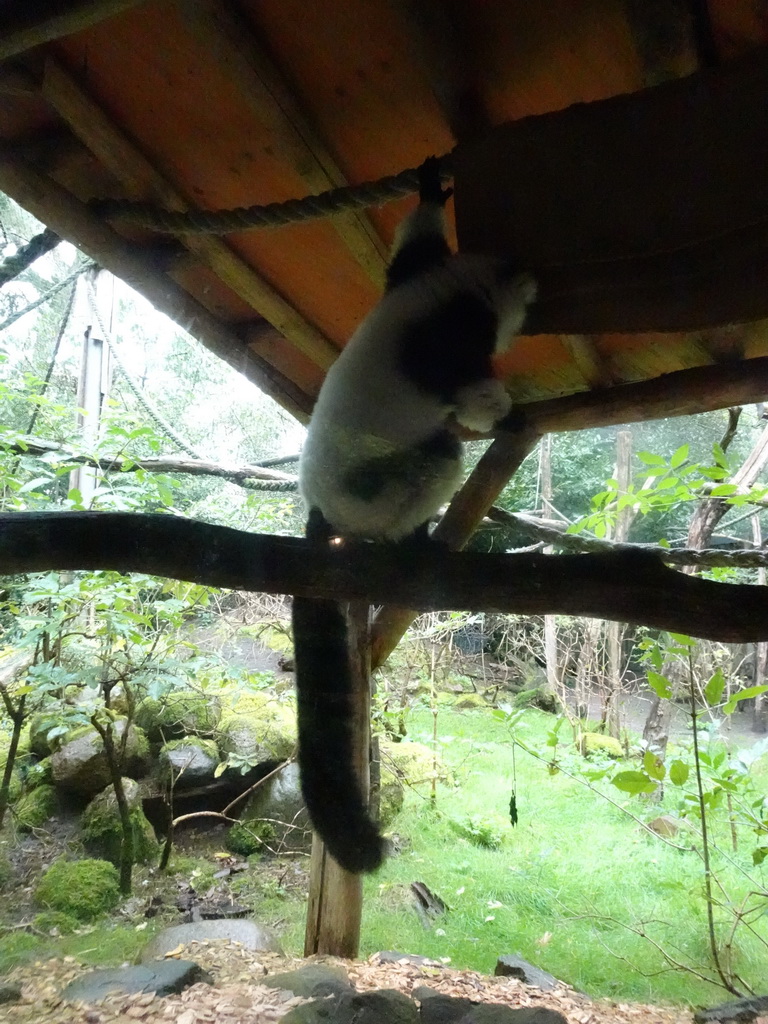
(129, 166)
(664, 226)
(67, 216)
(233, 43)
(34, 22)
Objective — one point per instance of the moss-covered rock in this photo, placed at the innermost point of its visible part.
(36, 807)
(85, 889)
(540, 697)
(179, 713)
(249, 837)
(40, 726)
(467, 701)
(596, 743)
(275, 818)
(188, 762)
(405, 764)
(102, 831)
(256, 727)
(81, 764)
(55, 922)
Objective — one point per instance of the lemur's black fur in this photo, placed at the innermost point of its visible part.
(380, 459)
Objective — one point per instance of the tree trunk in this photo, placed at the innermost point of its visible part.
(760, 712)
(335, 903)
(17, 717)
(114, 765)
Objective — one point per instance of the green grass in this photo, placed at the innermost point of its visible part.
(560, 889)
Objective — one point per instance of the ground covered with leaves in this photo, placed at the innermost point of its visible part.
(236, 997)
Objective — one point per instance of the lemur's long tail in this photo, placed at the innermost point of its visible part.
(328, 780)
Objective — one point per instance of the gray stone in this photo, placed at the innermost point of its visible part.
(164, 977)
(9, 993)
(189, 762)
(81, 764)
(437, 1008)
(665, 825)
(312, 981)
(385, 1006)
(493, 1013)
(517, 967)
(280, 803)
(742, 1010)
(248, 933)
(391, 956)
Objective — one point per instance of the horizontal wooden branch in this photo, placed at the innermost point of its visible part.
(705, 558)
(244, 475)
(635, 588)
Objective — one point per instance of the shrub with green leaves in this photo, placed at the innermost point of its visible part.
(86, 889)
(483, 832)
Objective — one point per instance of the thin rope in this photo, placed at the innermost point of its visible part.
(243, 218)
(143, 401)
(54, 355)
(47, 295)
(36, 247)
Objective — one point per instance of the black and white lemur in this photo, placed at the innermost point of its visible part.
(380, 459)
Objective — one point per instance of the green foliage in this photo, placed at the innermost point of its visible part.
(86, 889)
(6, 869)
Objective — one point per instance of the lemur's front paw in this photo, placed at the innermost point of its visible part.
(525, 286)
(481, 405)
(430, 186)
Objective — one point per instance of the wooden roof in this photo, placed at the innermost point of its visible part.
(216, 104)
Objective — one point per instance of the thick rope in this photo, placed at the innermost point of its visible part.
(222, 222)
(36, 247)
(46, 295)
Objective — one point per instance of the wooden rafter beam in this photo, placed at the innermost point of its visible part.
(127, 163)
(683, 393)
(68, 217)
(635, 588)
(232, 42)
(441, 35)
(33, 22)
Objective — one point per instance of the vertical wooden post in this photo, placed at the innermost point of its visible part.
(550, 621)
(335, 906)
(92, 389)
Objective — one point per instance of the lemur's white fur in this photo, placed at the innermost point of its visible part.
(368, 408)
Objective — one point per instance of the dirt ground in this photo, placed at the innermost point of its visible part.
(236, 997)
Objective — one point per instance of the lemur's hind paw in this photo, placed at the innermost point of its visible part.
(430, 186)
